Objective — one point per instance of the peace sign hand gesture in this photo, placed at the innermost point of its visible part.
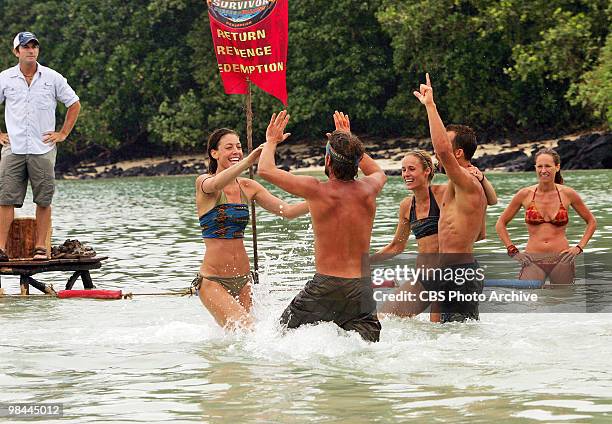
(425, 93)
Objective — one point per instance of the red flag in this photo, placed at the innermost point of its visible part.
(251, 39)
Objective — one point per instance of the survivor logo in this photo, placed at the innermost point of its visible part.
(240, 13)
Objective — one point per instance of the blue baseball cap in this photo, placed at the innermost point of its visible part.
(23, 38)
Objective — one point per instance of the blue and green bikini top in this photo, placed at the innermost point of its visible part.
(425, 226)
(226, 220)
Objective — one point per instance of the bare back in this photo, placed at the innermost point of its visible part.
(342, 215)
(461, 217)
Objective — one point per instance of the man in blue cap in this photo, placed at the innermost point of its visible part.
(31, 92)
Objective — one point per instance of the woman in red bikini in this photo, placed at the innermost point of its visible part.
(548, 253)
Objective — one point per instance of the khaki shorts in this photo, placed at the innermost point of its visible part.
(16, 170)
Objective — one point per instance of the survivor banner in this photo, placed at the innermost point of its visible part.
(250, 39)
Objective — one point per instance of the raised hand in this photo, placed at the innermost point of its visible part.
(425, 93)
(254, 155)
(276, 129)
(341, 122)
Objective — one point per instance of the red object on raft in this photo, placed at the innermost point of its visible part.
(90, 294)
(385, 284)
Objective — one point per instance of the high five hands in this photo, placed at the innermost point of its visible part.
(253, 157)
(276, 129)
(342, 123)
(425, 93)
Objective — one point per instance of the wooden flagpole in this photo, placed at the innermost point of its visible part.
(249, 126)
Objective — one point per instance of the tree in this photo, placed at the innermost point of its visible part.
(495, 65)
(338, 56)
(146, 72)
(594, 90)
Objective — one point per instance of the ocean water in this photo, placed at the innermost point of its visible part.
(163, 359)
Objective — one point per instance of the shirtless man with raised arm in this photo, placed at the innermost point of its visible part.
(461, 215)
(342, 210)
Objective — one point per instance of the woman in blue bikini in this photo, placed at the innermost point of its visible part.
(222, 200)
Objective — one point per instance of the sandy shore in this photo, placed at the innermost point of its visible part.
(306, 157)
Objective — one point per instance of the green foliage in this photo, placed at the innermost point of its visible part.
(338, 59)
(594, 90)
(146, 71)
(496, 65)
(180, 123)
(124, 59)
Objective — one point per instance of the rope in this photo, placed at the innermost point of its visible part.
(129, 295)
(190, 291)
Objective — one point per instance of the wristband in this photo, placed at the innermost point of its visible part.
(581, 249)
(512, 250)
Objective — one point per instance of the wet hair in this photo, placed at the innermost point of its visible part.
(426, 161)
(213, 144)
(465, 139)
(556, 159)
(346, 151)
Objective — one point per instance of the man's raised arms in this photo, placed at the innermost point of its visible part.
(440, 140)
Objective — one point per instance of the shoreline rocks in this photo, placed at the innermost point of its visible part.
(165, 168)
(588, 151)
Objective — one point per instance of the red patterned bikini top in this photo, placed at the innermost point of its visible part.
(534, 217)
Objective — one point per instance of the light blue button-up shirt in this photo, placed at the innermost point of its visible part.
(30, 110)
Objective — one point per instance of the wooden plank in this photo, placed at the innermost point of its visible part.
(51, 268)
(72, 280)
(24, 286)
(86, 278)
(30, 263)
(25, 269)
(47, 289)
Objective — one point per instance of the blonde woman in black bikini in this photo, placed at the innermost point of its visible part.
(222, 200)
(548, 252)
(420, 213)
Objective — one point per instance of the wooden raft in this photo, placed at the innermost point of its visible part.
(25, 268)
(19, 248)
